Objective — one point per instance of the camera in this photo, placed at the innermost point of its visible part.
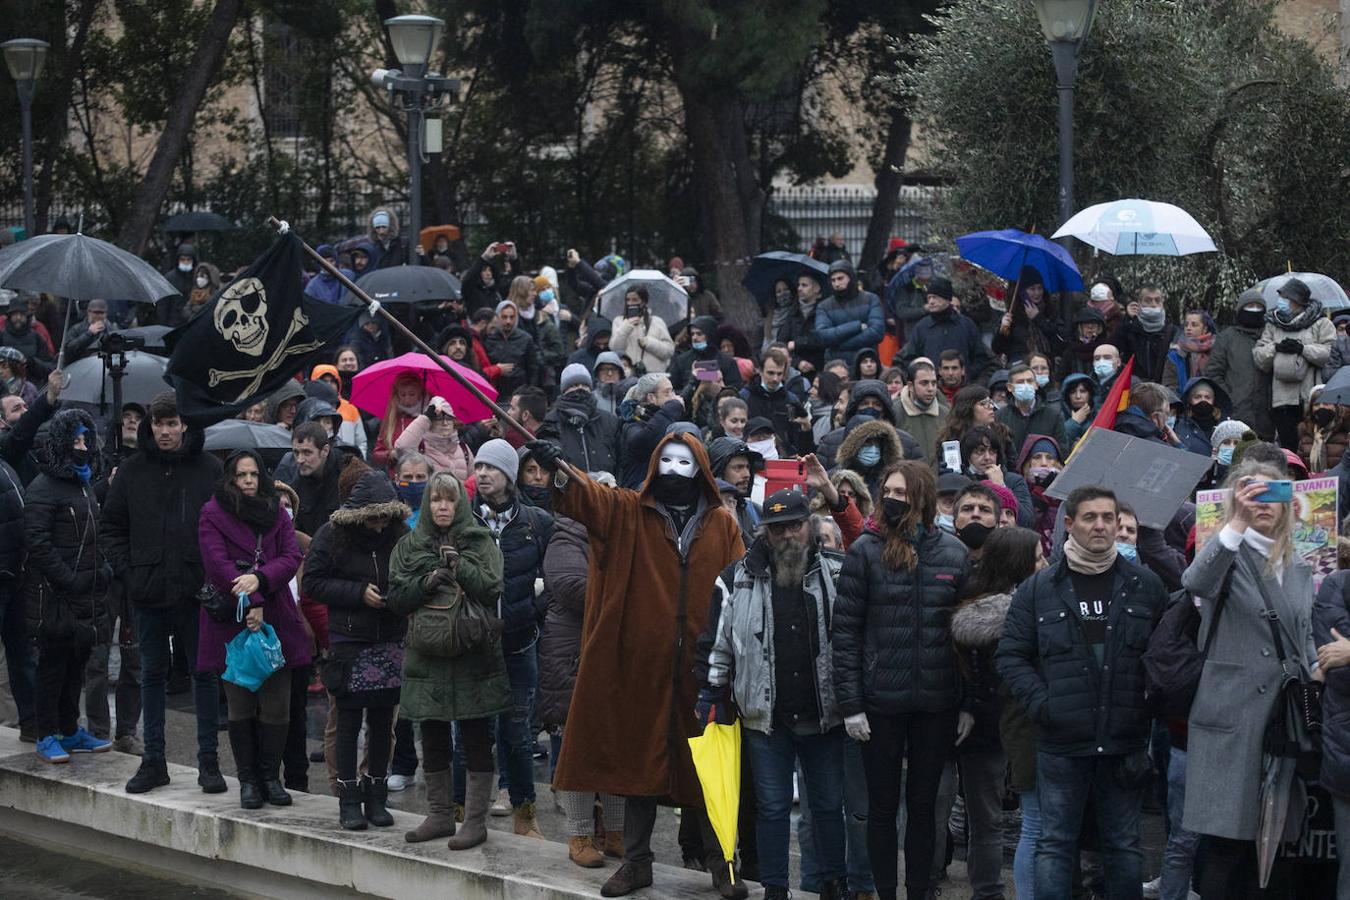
(115, 342)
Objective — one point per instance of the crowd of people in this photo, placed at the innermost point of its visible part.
(913, 622)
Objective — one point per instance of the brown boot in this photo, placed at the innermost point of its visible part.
(581, 850)
(720, 870)
(629, 878)
(440, 820)
(477, 795)
(611, 844)
(526, 824)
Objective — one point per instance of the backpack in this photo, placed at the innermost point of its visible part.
(1175, 659)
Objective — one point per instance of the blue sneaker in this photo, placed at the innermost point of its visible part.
(84, 742)
(49, 749)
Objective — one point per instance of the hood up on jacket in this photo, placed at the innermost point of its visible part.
(979, 622)
(722, 449)
(315, 408)
(373, 497)
(865, 353)
(53, 447)
(325, 369)
(1031, 440)
(851, 290)
(871, 387)
(288, 391)
(1221, 398)
(704, 475)
(1069, 382)
(597, 325)
(194, 440)
(393, 223)
(892, 451)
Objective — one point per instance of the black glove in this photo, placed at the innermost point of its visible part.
(1290, 345)
(437, 579)
(714, 705)
(546, 455)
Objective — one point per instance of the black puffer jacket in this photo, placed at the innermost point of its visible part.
(150, 519)
(12, 525)
(1083, 709)
(16, 441)
(588, 436)
(893, 651)
(565, 568)
(522, 543)
(67, 575)
(345, 556)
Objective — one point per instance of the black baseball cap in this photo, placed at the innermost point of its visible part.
(787, 505)
(756, 425)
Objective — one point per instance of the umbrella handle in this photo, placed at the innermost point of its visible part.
(398, 326)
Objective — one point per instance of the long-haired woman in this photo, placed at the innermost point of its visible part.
(895, 670)
(407, 401)
(971, 406)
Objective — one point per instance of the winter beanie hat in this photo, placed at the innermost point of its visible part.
(574, 375)
(608, 358)
(1226, 431)
(500, 455)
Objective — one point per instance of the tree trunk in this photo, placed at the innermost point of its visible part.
(58, 125)
(150, 193)
(890, 175)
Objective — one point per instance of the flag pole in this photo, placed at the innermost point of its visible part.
(417, 342)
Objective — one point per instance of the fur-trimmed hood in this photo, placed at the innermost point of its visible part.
(53, 446)
(877, 430)
(979, 622)
(373, 497)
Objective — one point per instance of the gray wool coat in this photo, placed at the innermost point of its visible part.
(1240, 687)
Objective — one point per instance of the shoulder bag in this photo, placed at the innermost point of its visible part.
(218, 607)
(1295, 731)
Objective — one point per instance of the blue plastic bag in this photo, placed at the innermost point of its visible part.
(252, 656)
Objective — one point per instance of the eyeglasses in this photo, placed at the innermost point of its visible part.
(780, 528)
(986, 403)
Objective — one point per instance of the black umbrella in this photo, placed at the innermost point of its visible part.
(197, 220)
(768, 268)
(80, 268)
(406, 284)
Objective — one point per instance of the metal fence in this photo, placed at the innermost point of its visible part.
(800, 215)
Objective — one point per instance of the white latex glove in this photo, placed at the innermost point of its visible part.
(857, 727)
(965, 724)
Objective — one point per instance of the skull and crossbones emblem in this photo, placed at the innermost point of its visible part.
(241, 318)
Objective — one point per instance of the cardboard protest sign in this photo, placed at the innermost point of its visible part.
(1315, 526)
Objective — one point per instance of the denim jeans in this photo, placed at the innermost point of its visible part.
(513, 728)
(20, 660)
(1024, 860)
(773, 759)
(1179, 855)
(982, 786)
(127, 697)
(153, 627)
(1065, 783)
(855, 827)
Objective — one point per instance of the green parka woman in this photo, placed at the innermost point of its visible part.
(447, 550)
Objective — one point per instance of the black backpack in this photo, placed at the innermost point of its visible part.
(1175, 658)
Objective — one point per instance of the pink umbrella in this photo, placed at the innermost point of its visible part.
(372, 387)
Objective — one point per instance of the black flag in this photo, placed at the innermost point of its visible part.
(253, 336)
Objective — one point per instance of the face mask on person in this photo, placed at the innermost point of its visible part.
(1225, 455)
(1202, 411)
(410, 492)
(869, 455)
(1282, 305)
(546, 296)
(893, 510)
(79, 457)
(1043, 475)
(1323, 417)
(1129, 551)
(767, 448)
(1042, 380)
(1171, 422)
(974, 534)
(1024, 393)
(869, 412)
(773, 389)
(1103, 368)
(538, 495)
(185, 267)
(700, 346)
(1152, 316)
(202, 281)
(1251, 318)
(944, 522)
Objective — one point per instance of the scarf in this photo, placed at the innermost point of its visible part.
(1317, 455)
(1287, 320)
(258, 512)
(1087, 562)
(1198, 350)
(911, 406)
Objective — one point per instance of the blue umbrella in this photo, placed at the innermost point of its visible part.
(1005, 252)
(768, 268)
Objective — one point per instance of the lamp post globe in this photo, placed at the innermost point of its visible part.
(414, 39)
(1066, 24)
(25, 57)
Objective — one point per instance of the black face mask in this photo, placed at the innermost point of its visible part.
(894, 510)
(79, 457)
(1250, 318)
(538, 496)
(674, 490)
(1202, 411)
(1323, 417)
(974, 534)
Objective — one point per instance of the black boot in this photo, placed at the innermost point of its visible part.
(375, 792)
(245, 750)
(349, 805)
(208, 775)
(271, 743)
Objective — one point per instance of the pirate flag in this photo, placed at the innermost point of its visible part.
(253, 336)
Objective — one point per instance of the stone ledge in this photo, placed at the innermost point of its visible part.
(290, 852)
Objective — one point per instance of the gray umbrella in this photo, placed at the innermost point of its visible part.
(197, 220)
(80, 268)
(237, 434)
(1323, 288)
(142, 380)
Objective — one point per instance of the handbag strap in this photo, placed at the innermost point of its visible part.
(1220, 603)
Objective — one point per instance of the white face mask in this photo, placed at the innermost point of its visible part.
(201, 281)
(766, 448)
(185, 267)
(676, 459)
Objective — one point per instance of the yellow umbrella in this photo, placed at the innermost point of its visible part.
(717, 759)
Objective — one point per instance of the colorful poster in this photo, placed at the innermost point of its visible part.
(1315, 529)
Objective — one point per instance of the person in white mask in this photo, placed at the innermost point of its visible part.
(656, 554)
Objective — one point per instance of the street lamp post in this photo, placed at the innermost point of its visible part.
(24, 58)
(416, 91)
(1066, 24)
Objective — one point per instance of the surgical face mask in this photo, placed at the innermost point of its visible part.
(546, 296)
(1042, 380)
(869, 455)
(1103, 368)
(1282, 305)
(676, 459)
(699, 345)
(1152, 315)
(1171, 421)
(768, 388)
(1024, 393)
(202, 281)
(1129, 551)
(185, 267)
(766, 448)
(1225, 455)
(944, 522)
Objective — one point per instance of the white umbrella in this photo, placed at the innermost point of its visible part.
(1324, 289)
(666, 299)
(1138, 227)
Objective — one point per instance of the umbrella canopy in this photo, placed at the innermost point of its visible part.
(1324, 288)
(1005, 252)
(427, 237)
(372, 387)
(1138, 227)
(238, 434)
(717, 759)
(197, 220)
(1338, 388)
(153, 335)
(666, 299)
(406, 284)
(80, 268)
(141, 381)
(768, 268)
